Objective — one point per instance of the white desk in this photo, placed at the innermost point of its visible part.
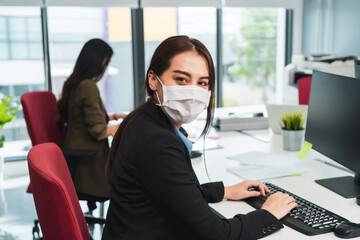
(303, 186)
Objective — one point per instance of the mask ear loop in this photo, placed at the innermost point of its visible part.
(204, 137)
(204, 157)
(156, 92)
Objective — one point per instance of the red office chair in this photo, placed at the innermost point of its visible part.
(304, 87)
(56, 202)
(40, 112)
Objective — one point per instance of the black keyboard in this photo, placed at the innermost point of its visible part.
(307, 218)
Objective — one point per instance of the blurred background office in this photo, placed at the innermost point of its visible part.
(251, 42)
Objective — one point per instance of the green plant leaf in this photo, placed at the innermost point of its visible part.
(8, 110)
(292, 121)
(2, 140)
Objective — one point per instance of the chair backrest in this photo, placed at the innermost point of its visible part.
(40, 112)
(56, 202)
(304, 87)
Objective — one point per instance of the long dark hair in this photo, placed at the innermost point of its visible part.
(160, 62)
(92, 62)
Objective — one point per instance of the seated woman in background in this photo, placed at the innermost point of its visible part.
(155, 193)
(83, 114)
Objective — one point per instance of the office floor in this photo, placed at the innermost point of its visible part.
(18, 220)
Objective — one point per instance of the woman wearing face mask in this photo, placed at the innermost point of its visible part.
(83, 114)
(155, 193)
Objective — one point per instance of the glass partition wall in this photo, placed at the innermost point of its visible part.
(21, 64)
(163, 22)
(249, 53)
(71, 27)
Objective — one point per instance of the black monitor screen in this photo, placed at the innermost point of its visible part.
(357, 68)
(333, 120)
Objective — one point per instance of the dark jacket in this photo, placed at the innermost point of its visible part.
(87, 121)
(155, 193)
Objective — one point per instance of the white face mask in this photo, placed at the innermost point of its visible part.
(182, 104)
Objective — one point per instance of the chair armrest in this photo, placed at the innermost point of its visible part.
(94, 220)
(78, 153)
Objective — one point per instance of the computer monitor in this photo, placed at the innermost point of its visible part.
(357, 68)
(333, 127)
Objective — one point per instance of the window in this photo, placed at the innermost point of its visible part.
(71, 27)
(250, 47)
(250, 37)
(199, 23)
(21, 62)
(20, 37)
(196, 22)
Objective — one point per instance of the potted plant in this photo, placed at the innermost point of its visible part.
(8, 112)
(292, 130)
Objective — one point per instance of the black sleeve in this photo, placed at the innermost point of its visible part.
(214, 191)
(258, 224)
(169, 180)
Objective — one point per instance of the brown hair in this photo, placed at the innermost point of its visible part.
(89, 64)
(160, 62)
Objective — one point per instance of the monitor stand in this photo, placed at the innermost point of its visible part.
(348, 186)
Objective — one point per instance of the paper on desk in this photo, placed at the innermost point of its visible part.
(258, 172)
(209, 144)
(265, 159)
(259, 166)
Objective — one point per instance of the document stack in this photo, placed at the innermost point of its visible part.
(243, 121)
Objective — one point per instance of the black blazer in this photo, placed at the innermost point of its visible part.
(155, 193)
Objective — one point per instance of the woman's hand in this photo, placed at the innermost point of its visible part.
(279, 204)
(110, 131)
(117, 116)
(241, 190)
(121, 115)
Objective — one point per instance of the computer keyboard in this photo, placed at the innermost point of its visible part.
(307, 218)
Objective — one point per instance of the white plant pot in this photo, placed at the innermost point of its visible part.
(293, 140)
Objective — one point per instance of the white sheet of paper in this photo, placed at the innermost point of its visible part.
(209, 144)
(256, 172)
(265, 159)
(260, 166)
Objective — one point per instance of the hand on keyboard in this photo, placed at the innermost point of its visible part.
(307, 217)
(246, 189)
(279, 204)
